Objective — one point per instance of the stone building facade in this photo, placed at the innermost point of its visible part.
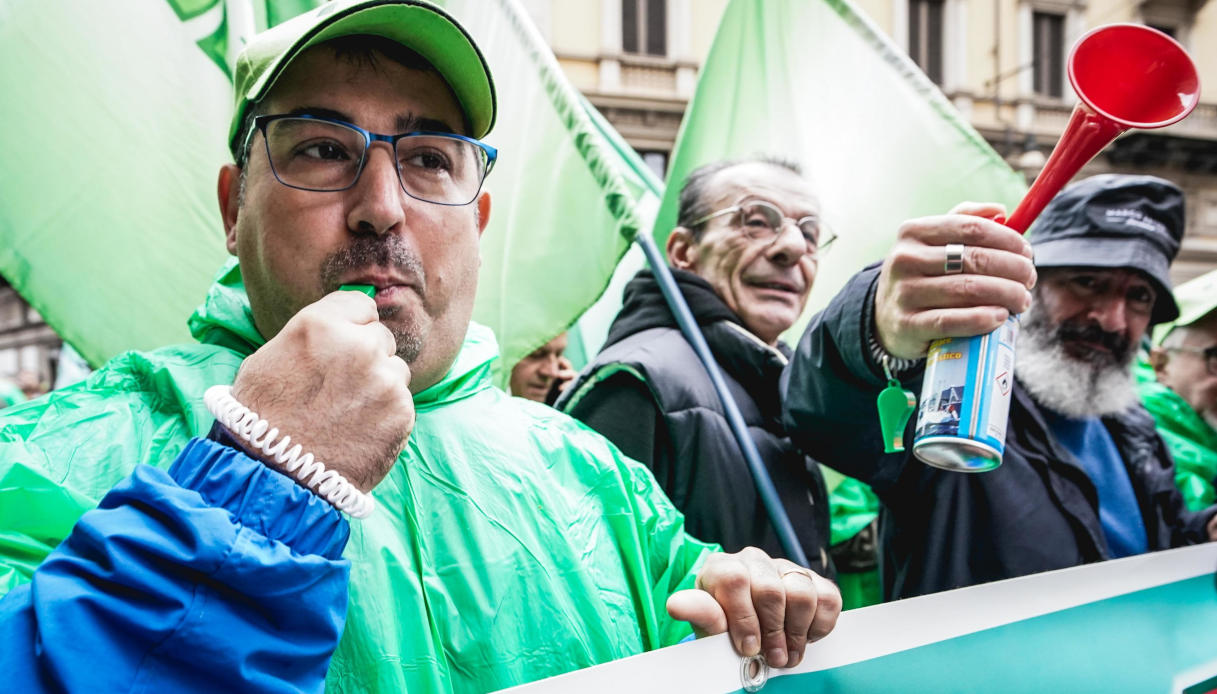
(1002, 63)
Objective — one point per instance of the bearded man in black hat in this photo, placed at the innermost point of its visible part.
(1084, 476)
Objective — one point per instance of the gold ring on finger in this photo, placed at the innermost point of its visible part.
(798, 570)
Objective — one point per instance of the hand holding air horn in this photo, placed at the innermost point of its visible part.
(1126, 76)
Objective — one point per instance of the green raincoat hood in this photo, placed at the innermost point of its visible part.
(509, 543)
(1192, 442)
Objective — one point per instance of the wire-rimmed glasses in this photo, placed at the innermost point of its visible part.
(1209, 354)
(764, 221)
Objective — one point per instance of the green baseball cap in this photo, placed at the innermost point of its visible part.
(1197, 298)
(417, 25)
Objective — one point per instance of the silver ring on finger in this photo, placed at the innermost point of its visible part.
(954, 261)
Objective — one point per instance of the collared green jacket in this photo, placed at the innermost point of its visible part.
(509, 543)
(1192, 442)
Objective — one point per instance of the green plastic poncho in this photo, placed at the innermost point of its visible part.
(509, 543)
(1192, 442)
(10, 394)
(853, 506)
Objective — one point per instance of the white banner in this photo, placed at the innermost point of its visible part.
(1141, 624)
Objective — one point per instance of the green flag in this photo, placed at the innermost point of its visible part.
(567, 193)
(116, 115)
(114, 121)
(589, 333)
(815, 81)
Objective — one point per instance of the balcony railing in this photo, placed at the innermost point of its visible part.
(647, 76)
(1048, 118)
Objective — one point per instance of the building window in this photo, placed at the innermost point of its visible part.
(925, 36)
(1048, 54)
(1175, 18)
(656, 162)
(644, 27)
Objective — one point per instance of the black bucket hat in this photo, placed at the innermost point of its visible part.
(1115, 221)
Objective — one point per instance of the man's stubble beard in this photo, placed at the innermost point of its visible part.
(388, 251)
(1096, 386)
(409, 338)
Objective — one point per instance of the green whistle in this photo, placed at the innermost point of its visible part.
(896, 405)
(365, 288)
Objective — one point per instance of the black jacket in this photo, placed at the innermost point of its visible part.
(648, 393)
(941, 530)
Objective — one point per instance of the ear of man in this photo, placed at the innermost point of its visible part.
(483, 210)
(682, 249)
(1158, 358)
(228, 191)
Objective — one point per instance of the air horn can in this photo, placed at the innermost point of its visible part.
(1126, 76)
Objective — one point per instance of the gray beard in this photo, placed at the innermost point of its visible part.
(1065, 384)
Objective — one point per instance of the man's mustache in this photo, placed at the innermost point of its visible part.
(372, 251)
(1117, 343)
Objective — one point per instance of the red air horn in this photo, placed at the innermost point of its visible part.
(1126, 76)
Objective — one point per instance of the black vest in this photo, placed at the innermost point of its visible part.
(705, 473)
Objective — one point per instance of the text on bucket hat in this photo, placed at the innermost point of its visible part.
(1115, 221)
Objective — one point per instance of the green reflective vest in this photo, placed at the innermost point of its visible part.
(509, 543)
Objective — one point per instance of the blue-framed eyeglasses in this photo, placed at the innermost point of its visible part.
(327, 155)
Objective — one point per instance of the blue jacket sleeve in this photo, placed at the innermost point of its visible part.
(219, 575)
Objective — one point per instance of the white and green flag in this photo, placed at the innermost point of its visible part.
(115, 119)
(567, 193)
(115, 116)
